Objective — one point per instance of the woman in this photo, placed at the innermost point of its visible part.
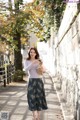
(36, 94)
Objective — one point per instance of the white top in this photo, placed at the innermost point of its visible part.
(31, 67)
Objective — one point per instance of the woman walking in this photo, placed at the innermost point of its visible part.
(36, 93)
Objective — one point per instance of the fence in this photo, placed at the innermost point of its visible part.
(2, 76)
(6, 74)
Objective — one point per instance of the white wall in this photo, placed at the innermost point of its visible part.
(67, 49)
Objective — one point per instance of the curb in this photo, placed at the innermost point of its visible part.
(64, 108)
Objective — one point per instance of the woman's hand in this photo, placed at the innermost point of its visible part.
(36, 61)
(40, 70)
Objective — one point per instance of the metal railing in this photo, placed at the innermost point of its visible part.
(2, 76)
(6, 74)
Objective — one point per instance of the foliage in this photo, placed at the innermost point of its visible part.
(23, 21)
(14, 23)
(35, 17)
(18, 76)
(53, 12)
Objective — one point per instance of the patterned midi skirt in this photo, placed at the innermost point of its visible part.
(36, 95)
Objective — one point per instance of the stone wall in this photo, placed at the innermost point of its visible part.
(67, 55)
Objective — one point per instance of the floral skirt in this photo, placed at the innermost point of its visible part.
(36, 95)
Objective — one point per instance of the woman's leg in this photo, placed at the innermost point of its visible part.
(34, 115)
(38, 113)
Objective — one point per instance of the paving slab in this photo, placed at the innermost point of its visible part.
(13, 100)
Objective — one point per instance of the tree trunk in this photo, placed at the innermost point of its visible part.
(17, 53)
(10, 4)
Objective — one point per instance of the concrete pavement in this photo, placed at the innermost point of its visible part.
(13, 100)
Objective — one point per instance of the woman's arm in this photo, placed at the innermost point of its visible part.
(27, 65)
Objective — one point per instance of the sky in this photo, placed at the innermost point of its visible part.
(25, 1)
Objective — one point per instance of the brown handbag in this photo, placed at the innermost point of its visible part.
(40, 70)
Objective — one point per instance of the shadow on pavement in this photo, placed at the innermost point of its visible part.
(13, 99)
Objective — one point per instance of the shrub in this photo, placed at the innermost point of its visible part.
(18, 75)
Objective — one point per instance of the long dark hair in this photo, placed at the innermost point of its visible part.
(36, 51)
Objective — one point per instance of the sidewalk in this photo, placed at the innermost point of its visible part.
(13, 99)
(66, 110)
